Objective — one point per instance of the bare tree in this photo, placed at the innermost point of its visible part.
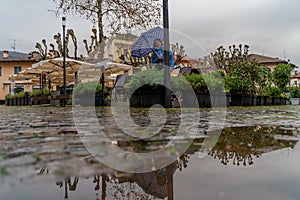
(113, 15)
(43, 52)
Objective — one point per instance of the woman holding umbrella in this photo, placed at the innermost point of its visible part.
(158, 54)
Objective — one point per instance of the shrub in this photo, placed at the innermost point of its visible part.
(35, 93)
(274, 92)
(9, 96)
(88, 87)
(197, 82)
(214, 81)
(20, 94)
(154, 78)
(294, 92)
(69, 102)
(45, 91)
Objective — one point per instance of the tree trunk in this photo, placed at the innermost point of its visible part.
(101, 33)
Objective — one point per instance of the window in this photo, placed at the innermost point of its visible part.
(17, 69)
(18, 89)
(0, 71)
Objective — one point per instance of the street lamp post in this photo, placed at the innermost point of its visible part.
(167, 99)
(102, 83)
(64, 59)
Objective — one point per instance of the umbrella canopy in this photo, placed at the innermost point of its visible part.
(53, 69)
(110, 68)
(144, 44)
(72, 65)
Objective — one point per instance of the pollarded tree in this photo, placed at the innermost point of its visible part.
(223, 59)
(113, 15)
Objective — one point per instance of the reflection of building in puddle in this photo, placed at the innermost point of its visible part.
(115, 185)
(243, 144)
(237, 145)
(149, 185)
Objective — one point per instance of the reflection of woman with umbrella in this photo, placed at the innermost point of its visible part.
(158, 183)
(158, 53)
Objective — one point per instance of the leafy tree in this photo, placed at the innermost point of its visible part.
(282, 75)
(113, 15)
(242, 77)
(264, 80)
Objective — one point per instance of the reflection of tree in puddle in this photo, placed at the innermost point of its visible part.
(243, 144)
(149, 185)
(156, 184)
(239, 145)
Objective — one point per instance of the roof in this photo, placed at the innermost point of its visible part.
(186, 59)
(15, 56)
(261, 59)
(296, 76)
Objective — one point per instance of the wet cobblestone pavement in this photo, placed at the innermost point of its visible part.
(39, 137)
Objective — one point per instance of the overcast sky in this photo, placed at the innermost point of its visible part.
(270, 27)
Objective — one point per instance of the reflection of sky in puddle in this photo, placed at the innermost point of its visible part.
(273, 172)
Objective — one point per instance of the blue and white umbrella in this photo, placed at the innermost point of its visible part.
(144, 44)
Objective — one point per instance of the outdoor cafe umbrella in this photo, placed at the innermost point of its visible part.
(144, 44)
(72, 65)
(109, 67)
(55, 65)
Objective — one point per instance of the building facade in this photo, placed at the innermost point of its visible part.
(12, 62)
(118, 46)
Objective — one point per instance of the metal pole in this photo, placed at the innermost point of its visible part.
(66, 189)
(102, 83)
(64, 59)
(167, 97)
(170, 186)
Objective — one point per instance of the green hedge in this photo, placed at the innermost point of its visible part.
(88, 87)
(294, 92)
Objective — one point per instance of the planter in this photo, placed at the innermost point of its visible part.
(7, 102)
(204, 99)
(43, 99)
(283, 101)
(269, 101)
(214, 99)
(26, 100)
(15, 102)
(147, 96)
(21, 101)
(242, 100)
(295, 101)
(90, 99)
(54, 101)
(99, 99)
(261, 100)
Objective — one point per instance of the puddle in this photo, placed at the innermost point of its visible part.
(42, 157)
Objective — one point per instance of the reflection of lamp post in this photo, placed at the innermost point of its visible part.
(166, 54)
(64, 58)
